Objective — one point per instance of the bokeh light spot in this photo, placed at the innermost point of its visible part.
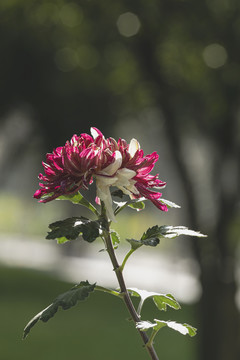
(128, 24)
(46, 14)
(71, 15)
(214, 56)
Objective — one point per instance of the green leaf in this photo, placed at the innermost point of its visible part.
(138, 205)
(65, 301)
(71, 228)
(79, 199)
(135, 244)
(115, 238)
(151, 233)
(149, 238)
(168, 231)
(184, 329)
(160, 300)
(62, 240)
(150, 241)
(108, 291)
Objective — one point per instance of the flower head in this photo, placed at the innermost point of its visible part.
(111, 163)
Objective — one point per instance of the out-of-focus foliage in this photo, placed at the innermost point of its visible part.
(74, 64)
(83, 62)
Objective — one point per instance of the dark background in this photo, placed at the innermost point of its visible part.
(164, 71)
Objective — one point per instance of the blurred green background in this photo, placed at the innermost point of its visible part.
(166, 72)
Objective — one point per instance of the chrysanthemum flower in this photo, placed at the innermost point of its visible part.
(75, 165)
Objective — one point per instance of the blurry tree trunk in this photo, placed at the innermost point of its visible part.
(219, 321)
(218, 315)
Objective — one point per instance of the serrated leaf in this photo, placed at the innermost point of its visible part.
(160, 300)
(137, 204)
(150, 241)
(115, 238)
(65, 301)
(79, 199)
(135, 244)
(74, 198)
(144, 325)
(62, 240)
(184, 329)
(168, 231)
(71, 228)
(152, 232)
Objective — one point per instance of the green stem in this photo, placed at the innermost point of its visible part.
(109, 291)
(126, 258)
(125, 294)
(151, 338)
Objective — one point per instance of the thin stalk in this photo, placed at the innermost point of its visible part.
(125, 295)
(126, 258)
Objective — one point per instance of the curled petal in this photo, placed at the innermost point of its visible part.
(112, 163)
(116, 164)
(133, 147)
(95, 132)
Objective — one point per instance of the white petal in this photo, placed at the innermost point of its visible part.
(126, 173)
(103, 192)
(133, 147)
(106, 180)
(112, 168)
(94, 133)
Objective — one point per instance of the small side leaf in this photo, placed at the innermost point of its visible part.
(66, 300)
(79, 199)
(160, 300)
(115, 239)
(151, 232)
(184, 329)
(71, 228)
(138, 205)
(135, 244)
(168, 231)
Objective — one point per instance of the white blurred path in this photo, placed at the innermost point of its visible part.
(148, 269)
